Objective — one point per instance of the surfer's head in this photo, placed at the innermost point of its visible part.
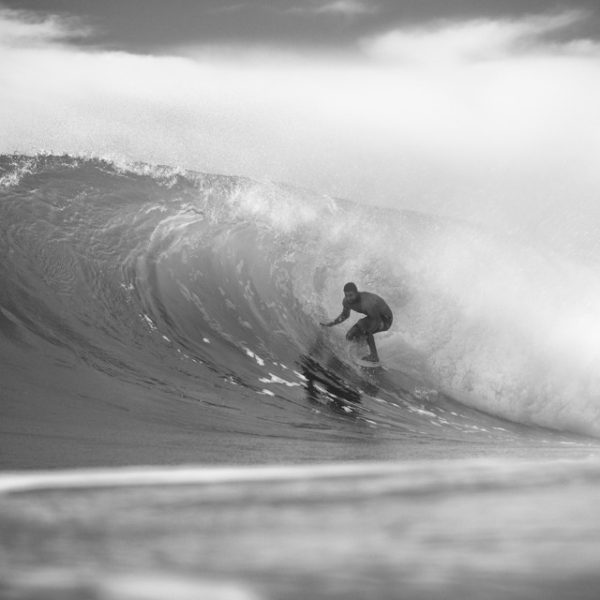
(350, 291)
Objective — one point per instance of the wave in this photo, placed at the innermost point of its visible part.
(187, 281)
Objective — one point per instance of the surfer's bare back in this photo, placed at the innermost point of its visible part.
(379, 317)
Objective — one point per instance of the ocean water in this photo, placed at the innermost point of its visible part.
(138, 301)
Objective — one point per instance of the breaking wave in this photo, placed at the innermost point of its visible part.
(211, 288)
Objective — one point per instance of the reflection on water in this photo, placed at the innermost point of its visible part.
(324, 387)
(328, 380)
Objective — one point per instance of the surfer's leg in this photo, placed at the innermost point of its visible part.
(355, 333)
(363, 330)
(373, 356)
(369, 327)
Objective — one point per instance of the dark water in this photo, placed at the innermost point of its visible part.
(138, 300)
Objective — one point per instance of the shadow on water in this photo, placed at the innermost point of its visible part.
(331, 382)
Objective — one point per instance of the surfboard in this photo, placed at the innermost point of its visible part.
(367, 364)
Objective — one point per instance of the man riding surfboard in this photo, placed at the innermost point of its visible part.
(379, 317)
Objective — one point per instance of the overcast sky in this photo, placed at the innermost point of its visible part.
(481, 109)
(156, 26)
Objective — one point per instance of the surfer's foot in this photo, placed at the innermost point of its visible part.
(371, 358)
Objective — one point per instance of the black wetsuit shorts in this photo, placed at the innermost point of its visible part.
(369, 325)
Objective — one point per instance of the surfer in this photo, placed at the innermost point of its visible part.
(379, 317)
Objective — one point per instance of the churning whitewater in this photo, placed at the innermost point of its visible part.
(210, 289)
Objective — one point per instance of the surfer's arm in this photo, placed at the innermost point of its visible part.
(342, 317)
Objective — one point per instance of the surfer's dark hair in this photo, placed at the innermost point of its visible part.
(350, 287)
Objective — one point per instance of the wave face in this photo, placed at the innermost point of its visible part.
(210, 289)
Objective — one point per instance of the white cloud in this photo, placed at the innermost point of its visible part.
(346, 8)
(468, 41)
(25, 27)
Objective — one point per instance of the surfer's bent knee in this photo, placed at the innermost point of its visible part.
(386, 323)
(354, 333)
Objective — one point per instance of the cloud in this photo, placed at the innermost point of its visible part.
(29, 28)
(345, 8)
(470, 41)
